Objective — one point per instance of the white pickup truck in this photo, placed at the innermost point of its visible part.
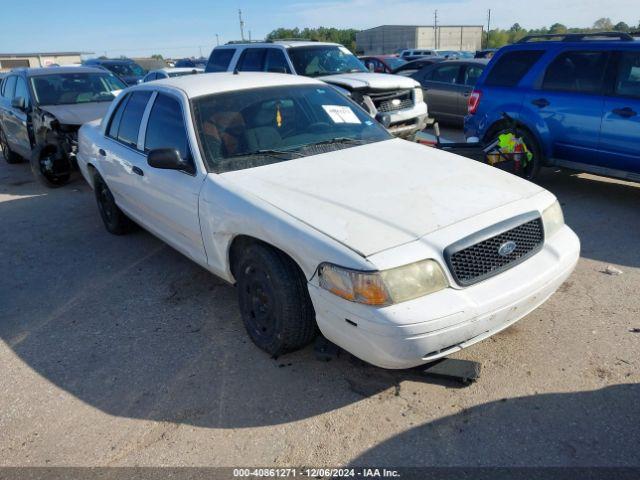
(398, 253)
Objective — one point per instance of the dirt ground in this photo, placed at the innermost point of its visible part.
(120, 351)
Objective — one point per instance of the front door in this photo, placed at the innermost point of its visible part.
(169, 198)
(442, 91)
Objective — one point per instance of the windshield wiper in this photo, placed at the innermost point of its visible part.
(269, 152)
(331, 141)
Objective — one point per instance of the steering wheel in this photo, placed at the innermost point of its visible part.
(318, 127)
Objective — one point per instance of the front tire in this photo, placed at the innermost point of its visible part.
(46, 168)
(115, 221)
(274, 301)
(9, 155)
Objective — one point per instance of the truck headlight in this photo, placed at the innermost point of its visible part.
(386, 287)
(552, 219)
(418, 96)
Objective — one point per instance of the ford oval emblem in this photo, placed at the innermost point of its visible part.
(507, 248)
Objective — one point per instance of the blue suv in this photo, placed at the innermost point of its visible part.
(575, 98)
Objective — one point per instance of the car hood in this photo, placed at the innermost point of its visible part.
(79, 113)
(373, 81)
(378, 196)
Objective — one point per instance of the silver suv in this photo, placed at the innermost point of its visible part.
(395, 100)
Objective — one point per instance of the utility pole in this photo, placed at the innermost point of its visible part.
(435, 29)
(217, 39)
(249, 35)
(488, 27)
(241, 25)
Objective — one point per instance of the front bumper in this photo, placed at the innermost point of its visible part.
(407, 122)
(427, 328)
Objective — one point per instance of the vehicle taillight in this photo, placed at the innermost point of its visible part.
(474, 101)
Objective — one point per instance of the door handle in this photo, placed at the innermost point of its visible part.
(102, 152)
(625, 112)
(540, 102)
(137, 171)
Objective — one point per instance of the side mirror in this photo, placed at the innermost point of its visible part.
(18, 103)
(167, 159)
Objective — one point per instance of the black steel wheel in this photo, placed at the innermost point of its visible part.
(274, 300)
(115, 221)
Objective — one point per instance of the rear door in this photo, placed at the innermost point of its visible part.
(8, 117)
(121, 154)
(569, 104)
(442, 90)
(620, 133)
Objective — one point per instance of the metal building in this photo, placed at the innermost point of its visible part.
(392, 38)
(44, 59)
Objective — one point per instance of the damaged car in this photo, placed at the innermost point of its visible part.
(397, 102)
(41, 110)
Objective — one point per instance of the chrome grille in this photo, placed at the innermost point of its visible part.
(477, 258)
(392, 101)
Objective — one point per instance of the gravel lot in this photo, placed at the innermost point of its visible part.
(119, 351)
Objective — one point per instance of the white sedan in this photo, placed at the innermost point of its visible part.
(398, 253)
(163, 73)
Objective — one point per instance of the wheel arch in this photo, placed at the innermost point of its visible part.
(502, 124)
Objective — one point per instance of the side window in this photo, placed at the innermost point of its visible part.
(116, 117)
(220, 59)
(511, 67)
(276, 62)
(579, 71)
(22, 91)
(9, 86)
(628, 75)
(444, 74)
(251, 60)
(166, 128)
(471, 74)
(129, 124)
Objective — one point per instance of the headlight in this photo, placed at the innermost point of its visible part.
(383, 288)
(419, 97)
(552, 219)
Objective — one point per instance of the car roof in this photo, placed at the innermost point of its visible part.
(109, 61)
(467, 61)
(34, 72)
(210, 83)
(284, 43)
(177, 69)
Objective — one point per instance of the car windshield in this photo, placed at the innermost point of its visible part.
(126, 69)
(251, 128)
(324, 60)
(395, 62)
(72, 88)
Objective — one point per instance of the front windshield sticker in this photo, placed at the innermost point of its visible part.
(341, 114)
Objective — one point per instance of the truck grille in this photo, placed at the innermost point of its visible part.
(392, 101)
(478, 257)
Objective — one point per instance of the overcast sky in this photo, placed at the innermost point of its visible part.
(186, 27)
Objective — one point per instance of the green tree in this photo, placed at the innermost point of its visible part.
(558, 28)
(603, 24)
(157, 56)
(346, 37)
(515, 27)
(621, 27)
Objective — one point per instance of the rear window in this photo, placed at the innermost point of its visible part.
(220, 59)
(511, 67)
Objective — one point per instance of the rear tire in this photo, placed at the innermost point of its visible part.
(115, 221)
(274, 301)
(531, 171)
(9, 155)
